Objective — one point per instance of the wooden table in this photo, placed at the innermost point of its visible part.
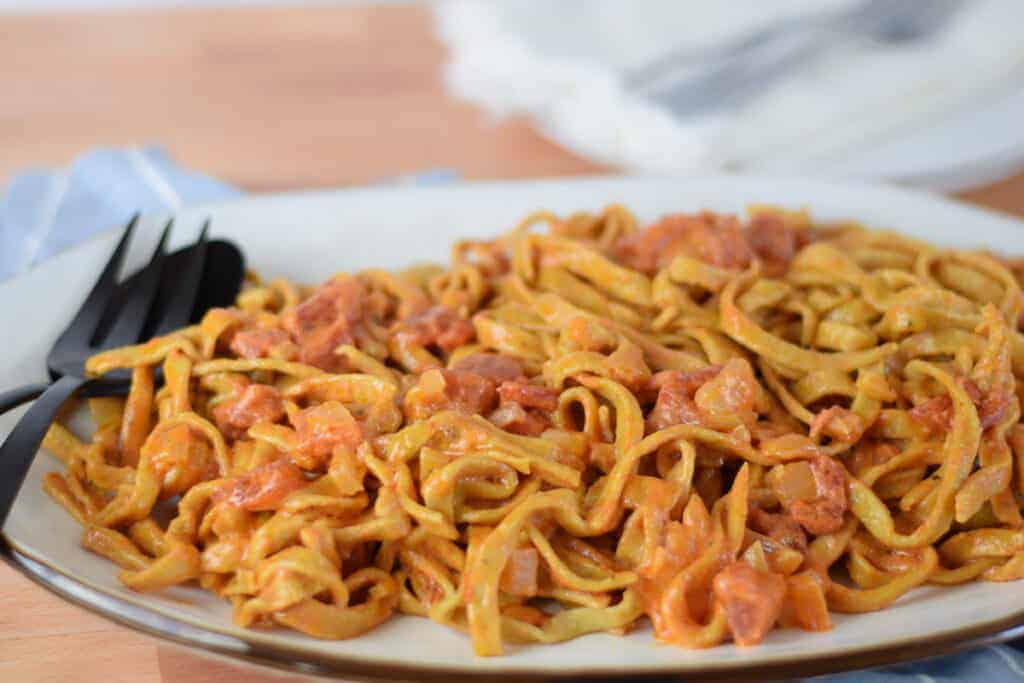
(270, 99)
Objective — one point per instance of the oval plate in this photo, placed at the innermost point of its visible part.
(308, 237)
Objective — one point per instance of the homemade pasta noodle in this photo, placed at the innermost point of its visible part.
(722, 425)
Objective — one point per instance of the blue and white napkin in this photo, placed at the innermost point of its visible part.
(43, 211)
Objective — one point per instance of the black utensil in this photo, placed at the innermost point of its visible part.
(219, 286)
(169, 292)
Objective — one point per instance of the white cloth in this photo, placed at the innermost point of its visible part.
(562, 63)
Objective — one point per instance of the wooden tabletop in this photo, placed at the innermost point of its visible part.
(270, 99)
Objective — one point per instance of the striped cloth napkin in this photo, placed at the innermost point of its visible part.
(44, 211)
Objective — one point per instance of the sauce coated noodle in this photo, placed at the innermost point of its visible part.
(723, 425)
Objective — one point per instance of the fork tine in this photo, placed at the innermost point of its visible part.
(132, 315)
(186, 286)
(84, 325)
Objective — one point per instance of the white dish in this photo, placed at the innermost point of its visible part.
(310, 236)
(964, 149)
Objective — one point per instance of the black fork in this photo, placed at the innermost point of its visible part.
(161, 297)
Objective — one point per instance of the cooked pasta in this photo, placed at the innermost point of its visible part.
(721, 425)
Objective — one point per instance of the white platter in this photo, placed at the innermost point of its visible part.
(310, 236)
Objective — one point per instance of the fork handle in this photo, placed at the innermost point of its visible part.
(9, 400)
(23, 442)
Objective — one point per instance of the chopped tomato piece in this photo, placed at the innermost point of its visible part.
(324, 321)
(823, 514)
(675, 403)
(493, 366)
(712, 238)
(935, 415)
(840, 424)
(437, 390)
(512, 417)
(528, 395)
(256, 403)
(264, 488)
(752, 599)
(319, 430)
(775, 242)
(438, 326)
(779, 527)
(257, 342)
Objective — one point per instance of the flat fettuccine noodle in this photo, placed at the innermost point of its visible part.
(719, 425)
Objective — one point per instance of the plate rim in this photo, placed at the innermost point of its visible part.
(282, 656)
(263, 652)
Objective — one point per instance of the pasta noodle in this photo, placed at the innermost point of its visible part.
(721, 425)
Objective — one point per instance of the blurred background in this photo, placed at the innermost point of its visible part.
(275, 95)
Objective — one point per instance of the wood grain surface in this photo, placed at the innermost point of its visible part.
(270, 99)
